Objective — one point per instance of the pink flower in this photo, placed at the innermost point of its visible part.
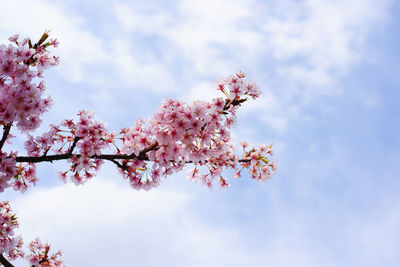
(62, 176)
(222, 183)
(14, 38)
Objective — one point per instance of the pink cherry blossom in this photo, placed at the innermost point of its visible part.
(10, 244)
(39, 255)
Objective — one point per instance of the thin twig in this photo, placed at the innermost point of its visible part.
(73, 145)
(5, 262)
(6, 132)
(119, 165)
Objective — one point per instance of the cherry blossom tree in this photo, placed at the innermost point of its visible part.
(178, 134)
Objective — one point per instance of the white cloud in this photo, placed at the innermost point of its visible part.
(79, 48)
(141, 18)
(328, 36)
(104, 224)
(127, 227)
(143, 72)
(315, 44)
(202, 91)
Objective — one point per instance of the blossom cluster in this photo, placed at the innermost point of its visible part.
(7, 169)
(180, 133)
(39, 255)
(21, 98)
(90, 137)
(256, 160)
(80, 141)
(9, 244)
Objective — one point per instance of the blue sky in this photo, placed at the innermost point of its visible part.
(328, 71)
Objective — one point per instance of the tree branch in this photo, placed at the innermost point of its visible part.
(5, 262)
(50, 158)
(6, 132)
(119, 165)
(73, 145)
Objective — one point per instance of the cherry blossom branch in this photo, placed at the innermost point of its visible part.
(110, 157)
(5, 262)
(178, 133)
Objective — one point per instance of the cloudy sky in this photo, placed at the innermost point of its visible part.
(330, 105)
